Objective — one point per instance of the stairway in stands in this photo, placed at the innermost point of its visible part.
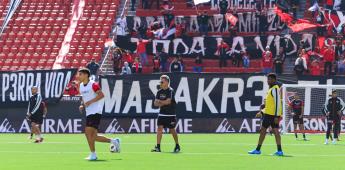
(34, 36)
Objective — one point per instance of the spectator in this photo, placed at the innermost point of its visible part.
(315, 68)
(300, 65)
(137, 67)
(93, 67)
(279, 61)
(133, 5)
(126, 69)
(127, 57)
(222, 48)
(320, 20)
(167, 5)
(141, 51)
(329, 58)
(169, 19)
(156, 64)
(267, 61)
(223, 6)
(198, 65)
(145, 4)
(163, 57)
(180, 60)
(263, 23)
(72, 90)
(329, 4)
(203, 23)
(117, 61)
(180, 29)
(121, 25)
(238, 58)
(175, 66)
(341, 66)
(246, 60)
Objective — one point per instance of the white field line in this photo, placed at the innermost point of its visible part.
(182, 153)
(187, 143)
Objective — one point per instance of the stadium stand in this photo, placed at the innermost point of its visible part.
(35, 34)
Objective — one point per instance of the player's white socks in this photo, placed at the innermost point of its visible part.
(326, 141)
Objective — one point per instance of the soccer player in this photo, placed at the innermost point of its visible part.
(271, 115)
(35, 113)
(92, 97)
(165, 100)
(297, 109)
(334, 108)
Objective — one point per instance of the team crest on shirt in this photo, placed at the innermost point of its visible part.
(162, 96)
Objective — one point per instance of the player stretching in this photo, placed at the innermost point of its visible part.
(334, 108)
(271, 115)
(92, 97)
(297, 109)
(165, 100)
(35, 113)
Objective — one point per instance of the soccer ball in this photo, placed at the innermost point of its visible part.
(114, 148)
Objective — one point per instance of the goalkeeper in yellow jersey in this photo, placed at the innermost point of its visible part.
(271, 115)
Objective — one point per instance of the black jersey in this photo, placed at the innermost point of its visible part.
(164, 95)
(35, 104)
(333, 106)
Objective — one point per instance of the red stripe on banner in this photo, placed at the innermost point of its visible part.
(77, 12)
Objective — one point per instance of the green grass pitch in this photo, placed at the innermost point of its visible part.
(199, 152)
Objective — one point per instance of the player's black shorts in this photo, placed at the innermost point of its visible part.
(93, 120)
(297, 120)
(268, 120)
(37, 118)
(167, 121)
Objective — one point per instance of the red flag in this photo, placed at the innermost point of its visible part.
(303, 21)
(285, 17)
(302, 26)
(231, 18)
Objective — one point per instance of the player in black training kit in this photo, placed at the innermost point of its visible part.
(36, 113)
(165, 100)
(333, 109)
(297, 109)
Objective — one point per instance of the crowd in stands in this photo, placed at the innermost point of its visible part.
(324, 60)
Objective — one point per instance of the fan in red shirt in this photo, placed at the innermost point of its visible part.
(127, 57)
(315, 69)
(329, 58)
(267, 61)
(222, 48)
(72, 90)
(141, 50)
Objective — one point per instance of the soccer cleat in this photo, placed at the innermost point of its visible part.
(177, 149)
(334, 142)
(91, 157)
(156, 149)
(279, 153)
(41, 140)
(326, 142)
(117, 143)
(254, 152)
(305, 139)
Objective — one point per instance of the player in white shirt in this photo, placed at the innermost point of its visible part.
(92, 98)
